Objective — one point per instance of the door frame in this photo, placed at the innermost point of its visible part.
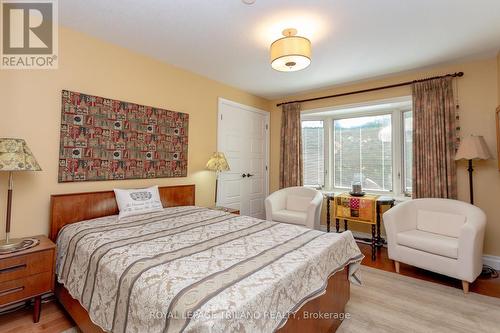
(266, 114)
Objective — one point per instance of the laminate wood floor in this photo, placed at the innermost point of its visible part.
(393, 303)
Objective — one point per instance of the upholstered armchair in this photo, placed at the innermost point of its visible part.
(297, 205)
(440, 235)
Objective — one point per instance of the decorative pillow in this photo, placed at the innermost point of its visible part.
(138, 201)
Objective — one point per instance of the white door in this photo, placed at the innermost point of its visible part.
(243, 136)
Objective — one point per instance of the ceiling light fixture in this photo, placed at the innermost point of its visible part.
(290, 53)
(248, 2)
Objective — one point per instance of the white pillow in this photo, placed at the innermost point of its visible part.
(138, 201)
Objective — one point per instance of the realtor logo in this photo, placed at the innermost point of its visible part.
(29, 34)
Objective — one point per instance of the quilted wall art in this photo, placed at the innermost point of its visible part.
(106, 139)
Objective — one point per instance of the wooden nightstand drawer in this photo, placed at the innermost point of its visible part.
(26, 265)
(12, 291)
(28, 274)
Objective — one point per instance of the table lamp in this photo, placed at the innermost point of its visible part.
(217, 163)
(15, 156)
(471, 148)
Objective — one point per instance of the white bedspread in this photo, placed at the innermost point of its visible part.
(194, 269)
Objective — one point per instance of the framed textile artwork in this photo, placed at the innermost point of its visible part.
(105, 139)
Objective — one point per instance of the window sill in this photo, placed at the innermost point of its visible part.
(397, 198)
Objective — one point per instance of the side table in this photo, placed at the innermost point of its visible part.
(376, 240)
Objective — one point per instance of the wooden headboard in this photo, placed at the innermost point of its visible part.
(76, 207)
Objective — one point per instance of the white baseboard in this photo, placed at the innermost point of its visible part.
(493, 261)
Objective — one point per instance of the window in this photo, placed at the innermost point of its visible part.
(313, 153)
(371, 144)
(362, 152)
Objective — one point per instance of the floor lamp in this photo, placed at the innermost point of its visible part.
(217, 163)
(472, 148)
(15, 156)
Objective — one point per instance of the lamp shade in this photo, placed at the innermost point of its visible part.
(218, 162)
(473, 147)
(290, 53)
(16, 156)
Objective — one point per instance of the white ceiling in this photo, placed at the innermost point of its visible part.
(352, 40)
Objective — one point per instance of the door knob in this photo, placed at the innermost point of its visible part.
(249, 175)
(243, 175)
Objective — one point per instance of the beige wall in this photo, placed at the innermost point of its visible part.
(498, 69)
(477, 91)
(30, 108)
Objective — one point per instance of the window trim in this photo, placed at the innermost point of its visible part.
(328, 115)
(403, 153)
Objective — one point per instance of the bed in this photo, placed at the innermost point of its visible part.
(194, 269)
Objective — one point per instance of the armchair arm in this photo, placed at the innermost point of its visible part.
(470, 245)
(401, 217)
(314, 211)
(274, 202)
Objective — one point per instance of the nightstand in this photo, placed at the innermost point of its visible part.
(28, 274)
(227, 210)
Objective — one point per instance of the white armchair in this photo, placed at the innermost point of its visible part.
(440, 235)
(297, 205)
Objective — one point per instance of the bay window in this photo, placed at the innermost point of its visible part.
(370, 144)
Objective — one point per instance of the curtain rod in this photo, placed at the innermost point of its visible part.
(457, 74)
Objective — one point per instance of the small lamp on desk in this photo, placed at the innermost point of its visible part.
(471, 148)
(217, 163)
(15, 156)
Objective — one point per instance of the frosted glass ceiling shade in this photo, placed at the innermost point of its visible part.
(290, 53)
(473, 147)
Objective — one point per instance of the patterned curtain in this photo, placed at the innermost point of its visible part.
(434, 139)
(291, 146)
